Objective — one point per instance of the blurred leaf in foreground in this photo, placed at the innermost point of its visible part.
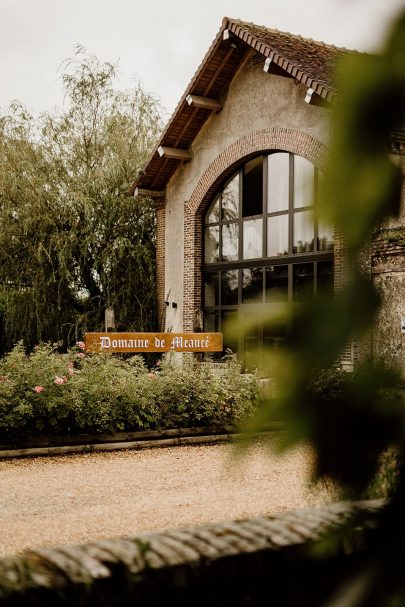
(352, 419)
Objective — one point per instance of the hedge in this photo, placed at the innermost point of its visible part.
(51, 393)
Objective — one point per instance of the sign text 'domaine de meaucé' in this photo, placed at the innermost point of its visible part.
(154, 342)
(176, 342)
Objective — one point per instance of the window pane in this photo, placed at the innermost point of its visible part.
(211, 289)
(303, 280)
(212, 244)
(230, 200)
(252, 239)
(253, 188)
(230, 241)
(278, 182)
(211, 321)
(252, 285)
(274, 333)
(303, 182)
(277, 236)
(276, 283)
(229, 288)
(303, 232)
(325, 237)
(300, 329)
(251, 341)
(213, 214)
(325, 277)
(228, 323)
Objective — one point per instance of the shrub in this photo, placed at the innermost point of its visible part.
(385, 483)
(203, 395)
(334, 390)
(49, 393)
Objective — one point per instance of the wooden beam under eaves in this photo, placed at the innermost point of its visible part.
(176, 153)
(205, 103)
(150, 193)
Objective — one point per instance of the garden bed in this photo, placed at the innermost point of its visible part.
(71, 398)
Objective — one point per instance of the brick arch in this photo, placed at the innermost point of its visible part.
(287, 140)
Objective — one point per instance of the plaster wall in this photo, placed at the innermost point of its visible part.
(174, 242)
(255, 101)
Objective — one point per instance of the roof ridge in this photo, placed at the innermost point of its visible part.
(289, 34)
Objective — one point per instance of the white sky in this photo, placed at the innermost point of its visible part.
(160, 42)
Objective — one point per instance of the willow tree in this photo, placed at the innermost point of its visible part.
(72, 242)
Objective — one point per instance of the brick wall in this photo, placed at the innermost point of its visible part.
(229, 563)
(340, 276)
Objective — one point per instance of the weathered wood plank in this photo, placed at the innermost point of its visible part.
(206, 103)
(154, 342)
(118, 437)
(176, 153)
(150, 193)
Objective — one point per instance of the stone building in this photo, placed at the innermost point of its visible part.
(234, 177)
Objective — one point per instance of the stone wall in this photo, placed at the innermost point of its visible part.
(387, 263)
(388, 268)
(266, 560)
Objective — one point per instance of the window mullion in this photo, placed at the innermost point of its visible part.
(315, 277)
(291, 205)
(316, 241)
(265, 205)
(240, 219)
(220, 229)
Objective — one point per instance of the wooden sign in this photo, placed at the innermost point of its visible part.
(154, 342)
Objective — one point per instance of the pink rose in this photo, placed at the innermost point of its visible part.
(81, 345)
(81, 354)
(152, 375)
(70, 365)
(38, 389)
(58, 381)
(71, 371)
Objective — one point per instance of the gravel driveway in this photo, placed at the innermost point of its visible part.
(75, 498)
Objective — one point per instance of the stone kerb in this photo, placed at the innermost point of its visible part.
(224, 165)
(217, 564)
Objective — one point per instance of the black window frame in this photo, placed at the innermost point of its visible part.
(290, 260)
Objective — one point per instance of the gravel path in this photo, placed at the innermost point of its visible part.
(76, 498)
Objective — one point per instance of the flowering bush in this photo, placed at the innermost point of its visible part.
(48, 393)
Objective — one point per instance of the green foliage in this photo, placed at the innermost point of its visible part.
(385, 483)
(49, 393)
(72, 242)
(219, 396)
(355, 424)
(362, 187)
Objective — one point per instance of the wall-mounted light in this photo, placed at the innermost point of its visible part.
(308, 97)
(174, 305)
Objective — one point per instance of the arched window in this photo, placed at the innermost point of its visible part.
(262, 247)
